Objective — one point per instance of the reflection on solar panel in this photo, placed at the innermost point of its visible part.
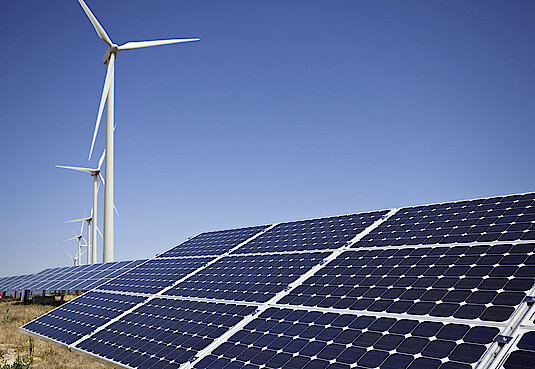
(315, 234)
(445, 286)
(213, 243)
(82, 277)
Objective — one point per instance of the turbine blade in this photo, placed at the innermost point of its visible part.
(101, 160)
(72, 238)
(81, 228)
(114, 208)
(140, 44)
(100, 233)
(96, 25)
(76, 220)
(80, 169)
(107, 81)
(102, 179)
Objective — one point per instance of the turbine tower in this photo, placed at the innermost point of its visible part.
(108, 94)
(94, 173)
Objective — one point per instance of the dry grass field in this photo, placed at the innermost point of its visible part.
(20, 351)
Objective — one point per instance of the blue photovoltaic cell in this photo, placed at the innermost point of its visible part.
(520, 359)
(524, 356)
(506, 218)
(154, 275)
(285, 338)
(247, 278)
(213, 243)
(315, 234)
(485, 282)
(81, 316)
(164, 333)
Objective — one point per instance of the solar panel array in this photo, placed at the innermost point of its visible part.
(445, 286)
(7, 282)
(81, 277)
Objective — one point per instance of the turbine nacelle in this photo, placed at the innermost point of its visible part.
(112, 49)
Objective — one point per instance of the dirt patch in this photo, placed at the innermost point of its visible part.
(8, 355)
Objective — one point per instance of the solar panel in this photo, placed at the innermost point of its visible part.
(505, 218)
(213, 243)
(388, 289)
(81, 277)
(7, 282)
(254, 278)
(81, 316)
(523, 354)
(164, 333)
(314, 234)
(154, 275)
(479, 282)
(310, 339)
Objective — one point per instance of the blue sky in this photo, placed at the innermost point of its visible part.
(283, 111)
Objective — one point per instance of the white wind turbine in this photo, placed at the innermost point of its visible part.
(94, 172)
(79, 238)
(108, 93)
(74, 259)
(89, 238)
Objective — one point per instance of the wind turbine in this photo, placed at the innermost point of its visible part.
(74, 259)
(108, 93)
(89, 238)
(79, 238)
(94, 173)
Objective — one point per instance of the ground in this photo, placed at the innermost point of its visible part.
(19, 351)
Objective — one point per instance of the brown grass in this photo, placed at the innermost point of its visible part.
(14, 343)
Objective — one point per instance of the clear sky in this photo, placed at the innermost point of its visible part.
(284, 110)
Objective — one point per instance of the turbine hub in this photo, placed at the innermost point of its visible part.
(112, 49)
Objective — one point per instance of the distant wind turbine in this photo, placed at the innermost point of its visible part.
(94, 173)
(89, 238)
(74, 259)
(79, 238)
(108, 93)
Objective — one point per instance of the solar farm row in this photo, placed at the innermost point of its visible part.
(446, 286)
(81, 277)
